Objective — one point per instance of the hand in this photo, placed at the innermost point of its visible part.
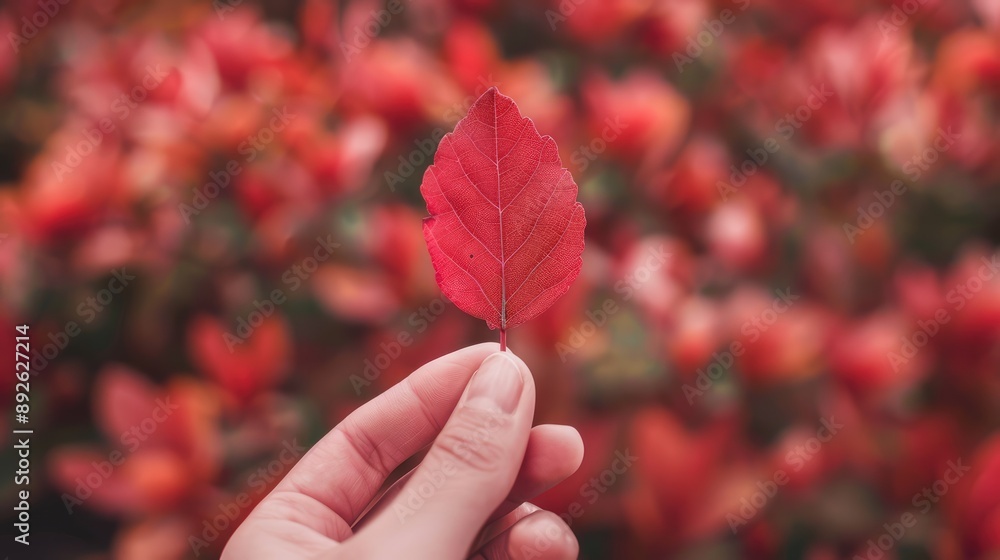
(485, 461)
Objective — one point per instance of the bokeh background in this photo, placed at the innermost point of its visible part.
(789, 312)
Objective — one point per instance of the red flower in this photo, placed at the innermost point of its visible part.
(246, 360)
(164, 448)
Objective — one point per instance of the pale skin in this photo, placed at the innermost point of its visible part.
(468, 498)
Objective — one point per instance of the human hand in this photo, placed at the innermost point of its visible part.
(471, 488)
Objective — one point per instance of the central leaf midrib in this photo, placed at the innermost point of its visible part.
(503, 258)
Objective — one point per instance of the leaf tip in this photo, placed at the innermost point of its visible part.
(491, 95)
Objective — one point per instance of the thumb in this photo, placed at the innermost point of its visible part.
(469, 469)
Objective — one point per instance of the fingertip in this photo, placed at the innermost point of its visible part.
(554, 453)
(572, 444)
(542, 534)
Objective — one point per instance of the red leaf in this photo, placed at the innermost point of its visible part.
(505, 231)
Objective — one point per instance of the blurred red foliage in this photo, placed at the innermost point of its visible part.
(793, 214)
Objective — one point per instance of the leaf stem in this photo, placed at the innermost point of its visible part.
(503, 340)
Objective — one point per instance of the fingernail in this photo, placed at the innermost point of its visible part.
(498, 383)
